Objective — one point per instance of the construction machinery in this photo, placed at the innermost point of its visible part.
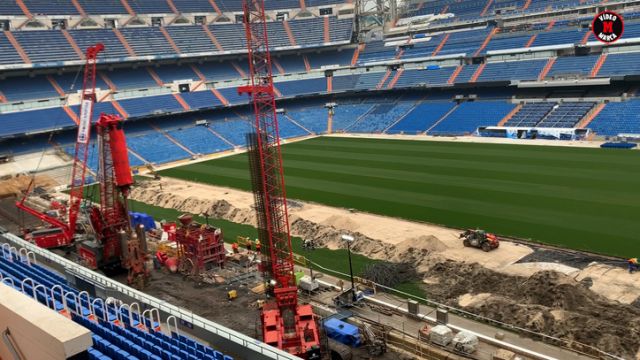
(199, 247)
(106, 240)
(115, 244)
(285, 323)
(480, 239)
(62, 233)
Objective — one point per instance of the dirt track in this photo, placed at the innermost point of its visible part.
(540, 294)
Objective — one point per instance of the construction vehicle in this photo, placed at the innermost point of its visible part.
(480, 239)
(61, 233)
(115, 244)
(285, 323)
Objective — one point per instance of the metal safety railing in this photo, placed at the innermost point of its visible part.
(172, 310)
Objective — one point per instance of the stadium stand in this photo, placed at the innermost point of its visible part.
(468, 116)
(381, 117)
(118, 333)
(422, 117)
(566, 115)
(530, 114)
(618, 118)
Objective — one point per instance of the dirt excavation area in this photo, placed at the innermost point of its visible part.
(586, 301)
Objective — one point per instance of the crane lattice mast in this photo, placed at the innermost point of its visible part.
(285, 323)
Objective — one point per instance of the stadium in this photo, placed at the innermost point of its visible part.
(319, 179)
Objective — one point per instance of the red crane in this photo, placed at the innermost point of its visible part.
(61, 233)
(286, 324)
(115, 244)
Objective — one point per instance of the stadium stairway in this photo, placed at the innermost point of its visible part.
(172, 139)
(591, 115)
(120, 331)
(403, 116)
(510, 115)
(441, 119)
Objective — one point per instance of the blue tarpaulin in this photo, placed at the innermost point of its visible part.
(144, 219)
(615, 145)
(342, 332)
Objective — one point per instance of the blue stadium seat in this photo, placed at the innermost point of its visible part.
(468, 116)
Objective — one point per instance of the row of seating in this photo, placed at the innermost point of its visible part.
(45, 46)
(48, 86)
(482, 9)
(118, 333)
(116, 7)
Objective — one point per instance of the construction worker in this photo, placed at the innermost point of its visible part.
(258, 246)
(249, 245)
(234, 247)
(633, 264)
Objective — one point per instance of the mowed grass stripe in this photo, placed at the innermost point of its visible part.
(493, 191)
(434, 200)
(567, 208)
(558, 180)
(548, 156)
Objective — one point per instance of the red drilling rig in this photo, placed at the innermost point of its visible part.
(114, 245)
(286, 324)
(62, 234)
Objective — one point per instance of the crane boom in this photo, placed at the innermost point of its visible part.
(285, 323)
(87, 100)
(67, 230)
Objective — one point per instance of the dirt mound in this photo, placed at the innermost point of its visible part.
(340, 222)
(547, 302)
(15, 185)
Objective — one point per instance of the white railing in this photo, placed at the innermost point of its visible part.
(170, 309)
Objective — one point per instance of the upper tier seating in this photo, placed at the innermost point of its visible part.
(513, 70)
(201, 99)
(108, 7)
(467, 42)
(10, 8)
(427, 77)
(618, 118)
(150, 105)
(34, 121)
(115, 7)
(308, 86)
(45, 46)
(621, 64)
(502, 42)
(113, 48)
(573, 65)
(8, 54)
(147, 41)
(191, 39)
(468, 116)
(57, 7)
(19, 88)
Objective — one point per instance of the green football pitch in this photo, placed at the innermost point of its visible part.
(573, 197)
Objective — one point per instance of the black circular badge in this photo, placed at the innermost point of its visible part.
(608, 27)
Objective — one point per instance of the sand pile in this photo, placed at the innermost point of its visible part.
(15, 185)
(547, 302)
